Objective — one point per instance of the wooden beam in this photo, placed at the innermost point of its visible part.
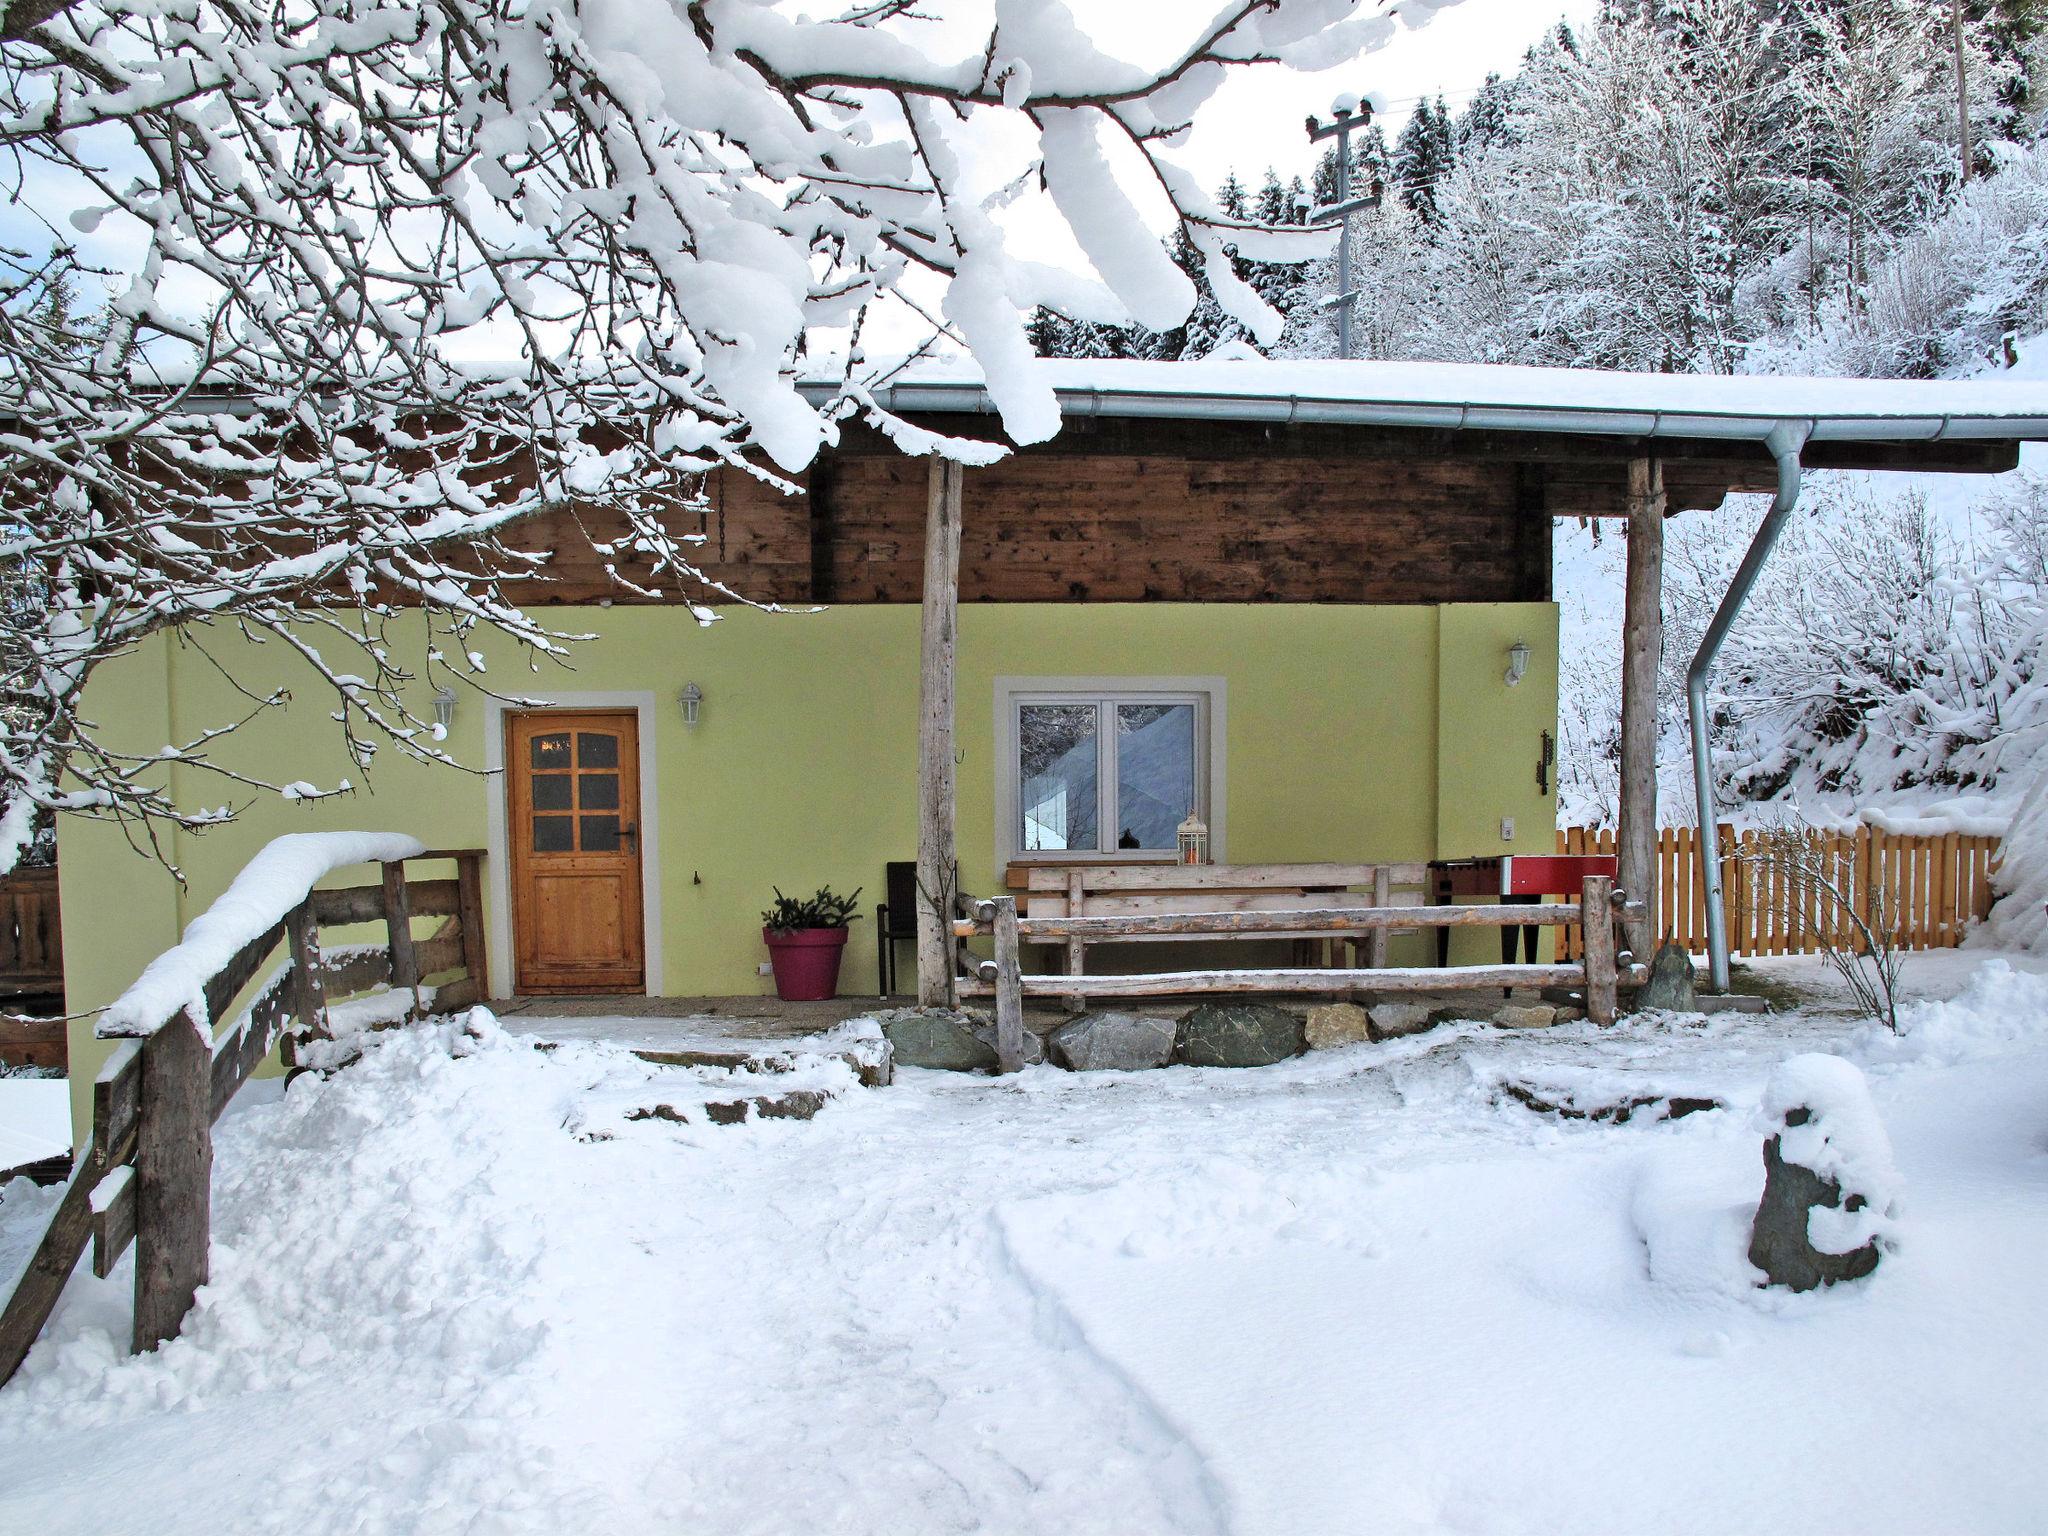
(113, 1220)
(935, 840)
(1104, 930)
(1313, 980)
(174, 1173)
(35, 1295)
(1642, 658)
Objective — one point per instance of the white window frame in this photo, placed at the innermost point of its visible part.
(1208, 695)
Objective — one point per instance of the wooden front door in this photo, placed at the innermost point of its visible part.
(573, 787)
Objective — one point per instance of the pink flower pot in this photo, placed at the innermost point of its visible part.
(806, 962)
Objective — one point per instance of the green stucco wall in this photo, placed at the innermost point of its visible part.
(1354, 733)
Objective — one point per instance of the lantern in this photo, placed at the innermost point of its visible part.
(1193, 840)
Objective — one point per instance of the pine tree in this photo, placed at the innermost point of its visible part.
(1424, 154)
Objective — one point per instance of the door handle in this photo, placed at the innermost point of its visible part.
(632, 832)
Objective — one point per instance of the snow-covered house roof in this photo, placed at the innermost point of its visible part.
(1497, 398)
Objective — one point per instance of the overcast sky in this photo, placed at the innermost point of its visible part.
(1255, 120)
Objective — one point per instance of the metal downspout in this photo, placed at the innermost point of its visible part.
(1787, 441)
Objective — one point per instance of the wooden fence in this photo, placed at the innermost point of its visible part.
(1003, 977)
(1932, 888)
(145, 1177)
(31, 934)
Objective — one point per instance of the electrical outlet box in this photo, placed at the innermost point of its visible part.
(765, 968)
(1507, 829)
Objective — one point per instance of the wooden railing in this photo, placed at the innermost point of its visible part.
(1932, 888)
(31, 933)
(145, 1176)
(1002, 977)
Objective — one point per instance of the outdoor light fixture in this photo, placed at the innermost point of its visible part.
(444, 708)
(1518, 662)
(691, 699)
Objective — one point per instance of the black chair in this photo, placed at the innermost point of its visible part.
(895, 921)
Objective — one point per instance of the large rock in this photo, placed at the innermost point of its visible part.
(1333, 1024)
(944, 1039)
(1238, 1035)
(1670, 986)
(1113, 1042)
(1392, 1020)
(1525, 1016)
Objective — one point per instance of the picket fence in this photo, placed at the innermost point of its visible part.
(1933, 888)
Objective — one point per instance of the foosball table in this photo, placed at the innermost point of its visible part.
(1512, 879)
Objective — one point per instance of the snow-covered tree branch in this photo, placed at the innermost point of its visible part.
(330, 294)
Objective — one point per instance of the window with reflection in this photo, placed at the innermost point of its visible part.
(1106, 773)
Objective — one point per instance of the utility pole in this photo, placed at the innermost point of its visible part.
(1962, 84)
(1347, 117)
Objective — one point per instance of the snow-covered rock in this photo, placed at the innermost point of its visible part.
(1830, 1190)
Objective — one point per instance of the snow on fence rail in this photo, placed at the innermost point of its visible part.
(1932, 887)
(145, 1176)
(1597, 967)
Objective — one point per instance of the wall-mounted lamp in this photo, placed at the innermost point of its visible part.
(444, 708)
(1518, 662)
(691, 699)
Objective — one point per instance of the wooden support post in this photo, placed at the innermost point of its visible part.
(309, 993)
(1009, 988)
(405, 966)
(1077, 948)
(469, 913)
(935, 842)
(1642, 657)
(174, 1175)
(1595, 909)
(1382, 896)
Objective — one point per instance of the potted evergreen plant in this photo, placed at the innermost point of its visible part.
(806, 941)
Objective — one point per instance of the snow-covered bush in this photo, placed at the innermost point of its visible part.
(1884, 649)
(1948, 296)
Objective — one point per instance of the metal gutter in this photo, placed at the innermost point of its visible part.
(1786, 442)
(970, 397)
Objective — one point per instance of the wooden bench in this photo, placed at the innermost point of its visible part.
(1166, 890)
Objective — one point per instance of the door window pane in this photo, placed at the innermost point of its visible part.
(600, 791)
(1155, 772)
(550, 791)
(600, 834)
(596, 750)
(554, 834)
(551, 751)
(1057, 774)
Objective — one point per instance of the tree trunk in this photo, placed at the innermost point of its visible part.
(1642, 657)
(935, 841)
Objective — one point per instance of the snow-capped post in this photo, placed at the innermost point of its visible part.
(1009, 987)
(1642, 658)
(1596, 919)
(174, 1176)
(935, 854)
(1830, 1190)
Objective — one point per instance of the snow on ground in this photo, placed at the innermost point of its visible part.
(35, 1119)
(456, 1290)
